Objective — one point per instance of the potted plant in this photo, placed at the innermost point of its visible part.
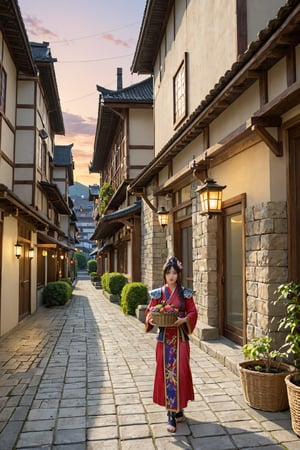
(290, 294)
(263, 376)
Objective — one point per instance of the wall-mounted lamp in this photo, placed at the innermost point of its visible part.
(43, 134)
(31, 253)
(163, 216)
(44, 252)
(210, 197)
(18, 250)
(210, 192)
(62, 257)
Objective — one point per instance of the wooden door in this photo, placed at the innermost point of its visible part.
(294, 204)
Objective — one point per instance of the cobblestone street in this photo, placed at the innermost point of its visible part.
(80, 377)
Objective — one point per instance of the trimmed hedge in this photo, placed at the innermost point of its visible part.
(133, 294)
(57, 293)
(92, 265)
(104, 281)
(113, 282)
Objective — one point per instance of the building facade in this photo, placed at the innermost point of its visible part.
(123, 147)
(226, 79)
(34, 210)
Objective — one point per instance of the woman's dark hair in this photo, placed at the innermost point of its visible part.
(174, 263)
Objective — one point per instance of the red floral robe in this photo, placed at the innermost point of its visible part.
(173, 384)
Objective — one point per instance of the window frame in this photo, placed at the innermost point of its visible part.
(180, 101)
(3, 89)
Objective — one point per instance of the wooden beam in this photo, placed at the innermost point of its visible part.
(269, 140)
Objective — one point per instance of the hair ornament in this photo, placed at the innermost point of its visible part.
(173, 261)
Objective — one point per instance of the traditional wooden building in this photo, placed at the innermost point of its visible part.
(226, 106)
(34, 210)
(123, 147)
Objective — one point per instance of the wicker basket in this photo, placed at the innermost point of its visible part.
(294, 402)
(265, 391)
(164, 319)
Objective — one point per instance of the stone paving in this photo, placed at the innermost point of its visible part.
(80, 377)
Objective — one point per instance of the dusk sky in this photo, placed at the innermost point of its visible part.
(90, 39)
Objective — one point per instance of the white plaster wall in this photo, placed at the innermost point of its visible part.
(141, 127)
(6, 173)
(10, 287)
(25, 117)
(207, 32)
(24, 191)
(26, 92)
(24, 146)
(277, 81)
(249, 172)
(235, 115)
(7, 140)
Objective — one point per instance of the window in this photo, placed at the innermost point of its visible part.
(3, 77)
(179, 91)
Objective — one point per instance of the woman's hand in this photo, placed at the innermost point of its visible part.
(180, 321)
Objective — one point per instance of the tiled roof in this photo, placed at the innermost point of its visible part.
(12, 25)
(41, 52)
(45, 63)
(110, 223)
(63, 155)
(141, 92)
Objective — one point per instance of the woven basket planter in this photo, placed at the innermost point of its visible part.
(294, 402)
(164, 319)
(265, 391)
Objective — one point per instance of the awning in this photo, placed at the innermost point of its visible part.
(55, 243)
(55, 196)
(111, 223)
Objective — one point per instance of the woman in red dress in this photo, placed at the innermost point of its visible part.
(173, 385)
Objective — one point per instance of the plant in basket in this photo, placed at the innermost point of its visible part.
(164, 314)
(289, 293)
(263, 375)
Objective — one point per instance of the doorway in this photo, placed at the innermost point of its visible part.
(232, 277)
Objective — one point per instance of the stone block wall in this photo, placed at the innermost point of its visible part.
(154, 249)
(266, 245)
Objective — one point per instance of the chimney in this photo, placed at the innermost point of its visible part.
(119, 78)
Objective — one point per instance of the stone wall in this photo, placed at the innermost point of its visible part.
(266, 265)
(154, 250)
(205, 273)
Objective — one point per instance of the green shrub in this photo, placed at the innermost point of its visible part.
(133, 294)
(92, 275)
(66, 280)
(104, 281)
(116, 282)
(92, 265)
(57, 293)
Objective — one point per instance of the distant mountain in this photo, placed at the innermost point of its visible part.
(79, 190)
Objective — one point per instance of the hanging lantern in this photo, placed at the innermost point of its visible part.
(210, 197)
(31, 253)
(18, 250)
(163, 217)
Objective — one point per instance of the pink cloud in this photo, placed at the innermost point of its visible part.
(34, 27)
(77, 125)
(120, 42)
